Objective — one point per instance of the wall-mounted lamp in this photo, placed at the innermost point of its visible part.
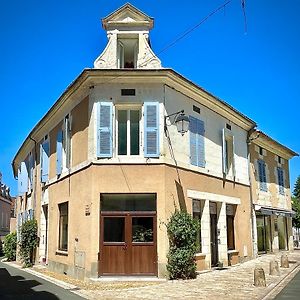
(181, 120)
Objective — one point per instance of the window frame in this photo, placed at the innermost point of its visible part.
(128, 108)
(199, 217)
(61, 215)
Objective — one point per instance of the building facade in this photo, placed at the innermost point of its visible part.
(5, 209)
(272, 211)
(106, 167)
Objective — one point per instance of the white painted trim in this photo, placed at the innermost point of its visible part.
(212, 197)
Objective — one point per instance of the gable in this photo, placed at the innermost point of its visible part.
(127, 15)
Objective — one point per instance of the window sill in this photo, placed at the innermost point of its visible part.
(200, 255)
(61, 253)
(233, 251)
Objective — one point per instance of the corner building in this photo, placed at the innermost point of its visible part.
(105, 168)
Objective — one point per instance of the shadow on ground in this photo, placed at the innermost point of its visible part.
(17, 287)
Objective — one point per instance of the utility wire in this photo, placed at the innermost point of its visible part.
(181, 36)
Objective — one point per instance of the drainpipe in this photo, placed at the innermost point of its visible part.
(34, 183)
(249, 141)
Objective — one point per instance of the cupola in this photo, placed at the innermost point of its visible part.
(128, 44)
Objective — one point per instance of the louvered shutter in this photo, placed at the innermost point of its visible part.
(200, 143)
(22, 179)
(224, 154)
(31, 167)
(30, 214)
(59, 149)
(193, 141)
(45, 161)
(280, 180)
(104, 137)
(262, 175)
(151, 129)
(233, 159)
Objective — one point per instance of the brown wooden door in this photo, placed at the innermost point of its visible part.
(214, 240)
(128, 244)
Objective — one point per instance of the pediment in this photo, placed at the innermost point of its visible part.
(127, 15)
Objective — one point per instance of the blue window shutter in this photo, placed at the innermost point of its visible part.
(45, 151)
(193, 141)
(233, 158)
(280, 180)
(31, 167)
(262, 175)
(224, 154)
(151, 129)
(30, 214)
(200, 143)
(22, 179)
(59, 148)
(104, 136)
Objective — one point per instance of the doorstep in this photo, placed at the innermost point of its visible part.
(128, 278)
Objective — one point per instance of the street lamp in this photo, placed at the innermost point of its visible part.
(181, 120)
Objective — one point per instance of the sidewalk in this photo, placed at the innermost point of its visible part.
(232, 283)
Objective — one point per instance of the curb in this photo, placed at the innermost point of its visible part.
(67, 286)
(279, 286)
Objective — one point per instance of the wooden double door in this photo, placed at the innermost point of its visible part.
(128, 243)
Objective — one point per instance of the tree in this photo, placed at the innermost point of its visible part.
(296, 191)
(296, 203)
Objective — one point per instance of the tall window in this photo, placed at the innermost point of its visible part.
(197, 212)
(128, 128)
(280, 180)
(63, 226)
(230, 210)
(228, 152)
(127, 53)
(262, 175)
(45, 155)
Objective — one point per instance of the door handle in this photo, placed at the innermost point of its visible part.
(125, 247)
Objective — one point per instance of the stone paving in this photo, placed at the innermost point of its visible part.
(232, 283)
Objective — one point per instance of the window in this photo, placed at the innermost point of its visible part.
(280, 178)
(128, 132)
(197, 153)
(63, 226)
(196, 109)
(262, 175)
(197, 212)
(261, 151)
(279, 160)
(127, 92)
(228, 152)
(230, 212)
(127, 52)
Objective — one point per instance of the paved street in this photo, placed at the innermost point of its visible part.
(17, 284)
(292, 290)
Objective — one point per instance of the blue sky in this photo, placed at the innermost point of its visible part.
(44, 45)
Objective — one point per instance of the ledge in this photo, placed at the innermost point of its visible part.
(233, 251)
(200, 255)
(61, 253)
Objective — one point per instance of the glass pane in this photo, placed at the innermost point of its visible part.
(122, 132)
(63, 226)
(230, 232)
(260, 233)
(282, 232)
(142, 229)
(197, 217)
(114, 229)
(134, 132)
(268, 233)
(128, 202)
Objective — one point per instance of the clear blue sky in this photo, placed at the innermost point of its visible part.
(44, 45)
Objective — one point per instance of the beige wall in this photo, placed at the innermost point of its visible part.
(83, 190)
(272, 196)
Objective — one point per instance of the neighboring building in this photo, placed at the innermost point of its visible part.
(5, 209)
(105, 168)
(271, 194)
(13, 215)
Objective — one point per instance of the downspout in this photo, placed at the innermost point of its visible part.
(249, 141)
(34, 183)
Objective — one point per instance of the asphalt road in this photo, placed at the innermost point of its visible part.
(292, 290)
(17, 284)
